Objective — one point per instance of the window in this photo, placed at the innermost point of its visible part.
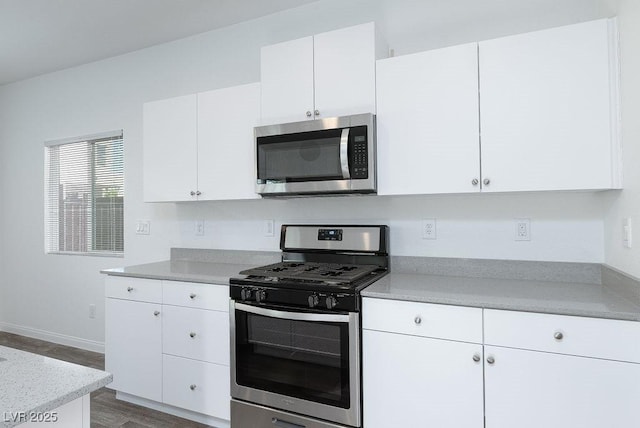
(84, 195)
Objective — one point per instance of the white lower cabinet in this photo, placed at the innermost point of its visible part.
(529, 389)
(411, 381)
(538, 370)
(414, 375)
(133, 340)
(196, 385)
(172, 349)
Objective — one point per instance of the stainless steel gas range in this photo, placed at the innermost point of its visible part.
(295, 329)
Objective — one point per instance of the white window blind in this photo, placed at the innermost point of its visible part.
(84, 195)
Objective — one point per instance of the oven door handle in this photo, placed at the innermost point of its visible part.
(344, 153)
(295, 316)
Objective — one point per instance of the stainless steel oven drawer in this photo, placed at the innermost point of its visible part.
(245, 415)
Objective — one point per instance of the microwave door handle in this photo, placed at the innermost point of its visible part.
(344, 153)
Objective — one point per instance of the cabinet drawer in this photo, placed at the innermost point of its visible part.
(423, 319)
(139, 289)
(196, 385)
(589, 337)
(196, 295)
(196, 333)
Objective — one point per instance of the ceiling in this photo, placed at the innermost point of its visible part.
(41, 36)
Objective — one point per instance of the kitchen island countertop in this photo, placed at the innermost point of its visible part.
(31, 383)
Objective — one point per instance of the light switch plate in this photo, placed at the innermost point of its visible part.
(143, 227)
(269, 228)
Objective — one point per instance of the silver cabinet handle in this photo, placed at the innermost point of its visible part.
(317, 112)
(474, 182)
(192, 386)
(192, 193)
(476, 358)
(192, 296)
(129, 289)
(156, 313)
(308, 113)
(192, 335)
(486, 181)
(198, 193)
(558, 335)
(491, 360)
(417, 320)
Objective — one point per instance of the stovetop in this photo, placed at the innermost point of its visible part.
(324, 268)
(322, 273)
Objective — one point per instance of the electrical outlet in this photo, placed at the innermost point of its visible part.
(269, 228)
(92, 311)
(523, 229)
(429, 228)
(143, 227)
(199, 227)
(627, 236)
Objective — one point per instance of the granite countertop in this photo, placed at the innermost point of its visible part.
(564, 298)
(182, 270)
(34, 383)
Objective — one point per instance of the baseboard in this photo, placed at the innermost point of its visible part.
(175, 411)
(49, 336)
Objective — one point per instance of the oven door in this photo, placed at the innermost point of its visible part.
(302, 362)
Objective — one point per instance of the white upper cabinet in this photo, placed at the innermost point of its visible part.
(226, 159)
(200, 146)
(326, 75)
(427, 122)
(170, 149)
(548, 109)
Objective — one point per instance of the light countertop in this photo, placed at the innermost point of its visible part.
(182, 270)
(34, 383)
(564, 298)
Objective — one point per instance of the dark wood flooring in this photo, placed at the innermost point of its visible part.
(106, 411)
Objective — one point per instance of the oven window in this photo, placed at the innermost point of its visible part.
(302, 359)
(306, 156)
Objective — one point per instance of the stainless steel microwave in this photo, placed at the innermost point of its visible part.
(325, 156)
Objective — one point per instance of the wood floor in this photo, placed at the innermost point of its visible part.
(106, 411)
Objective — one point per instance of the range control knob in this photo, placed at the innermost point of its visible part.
(313, 300)
(245, 294)
(261, 296)
(331, 302)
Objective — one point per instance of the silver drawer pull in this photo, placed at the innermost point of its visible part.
(156, 313)
(192, 387)
(192, 335)
(491, 360)
(558, 335)
(129, 289)
(417, 320)
(476, 358)
(192, 296)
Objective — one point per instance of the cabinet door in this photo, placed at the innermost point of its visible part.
(428, 136)
(418, 382)
(528, 389)
(345, 71)
(133, 347)
(196, 385)
(548, 110)
(170, 149)
(226, 155)
(286, 71)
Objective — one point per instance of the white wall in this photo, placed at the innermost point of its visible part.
(49, 295)
(626, 204)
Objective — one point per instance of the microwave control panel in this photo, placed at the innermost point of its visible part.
(359, 156)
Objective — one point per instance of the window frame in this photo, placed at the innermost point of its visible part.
(91, 232)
